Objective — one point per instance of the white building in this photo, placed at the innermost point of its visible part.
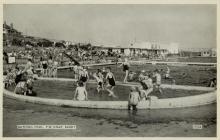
(199, 52)
(142, 48)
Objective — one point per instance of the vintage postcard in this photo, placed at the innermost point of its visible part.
(109, 70)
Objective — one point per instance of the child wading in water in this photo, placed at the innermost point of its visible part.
(158, 80)
(80, 93)
(147, 86)
(111, 82)
(134, 98)
(84, 76)
(99, 78)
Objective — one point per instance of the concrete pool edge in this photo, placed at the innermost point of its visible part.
(153, 103)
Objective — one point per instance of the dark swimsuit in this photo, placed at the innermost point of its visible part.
(144, 85)
(111, 81)
(100, 84)
(125, 67)
(18, 78)
(83, 78)
(44, 65)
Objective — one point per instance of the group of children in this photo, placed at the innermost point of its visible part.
(105, 81)
(147, 86)
(22, 79)
(49, 67)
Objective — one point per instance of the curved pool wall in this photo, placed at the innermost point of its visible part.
(153, 103)
(145, 62)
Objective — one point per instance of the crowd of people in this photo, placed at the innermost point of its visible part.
(81, 54)
(23, 77)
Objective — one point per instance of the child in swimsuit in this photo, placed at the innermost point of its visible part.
(134, 98)
(131, 75)
(54, 69)
(158, 81)
(50, 67)
(146, 86)
(83, 76)
(76, 71)
(99, 78)
(10, 80)
(167, 75)
(125, 69)
(111, 82)
(44, 70)
(80, 93)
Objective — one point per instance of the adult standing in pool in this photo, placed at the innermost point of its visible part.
(126, 66)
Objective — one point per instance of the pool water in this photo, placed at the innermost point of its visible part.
(66, 90)
(187, 75)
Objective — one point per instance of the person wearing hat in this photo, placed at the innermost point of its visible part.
(133, 99)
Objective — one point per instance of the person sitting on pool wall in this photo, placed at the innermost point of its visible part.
(157, 84)
(126, 66)
(10, 78)
(21, 87)
(80, 92)
(18, 76)
(133, 99)
(30, 92)
(111, 82)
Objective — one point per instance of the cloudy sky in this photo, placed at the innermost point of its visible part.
(188, 25)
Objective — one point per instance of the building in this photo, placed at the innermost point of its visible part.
(141, 48)
(198, 52)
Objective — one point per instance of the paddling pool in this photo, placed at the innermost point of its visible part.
(60, 91)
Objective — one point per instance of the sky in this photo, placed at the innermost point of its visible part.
(191, 26)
